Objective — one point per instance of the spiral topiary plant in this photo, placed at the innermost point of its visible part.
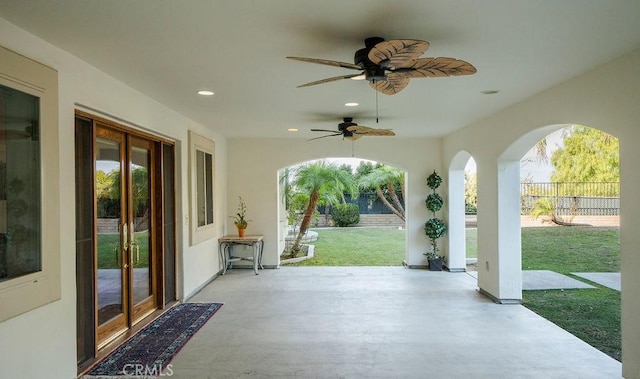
(434, 228)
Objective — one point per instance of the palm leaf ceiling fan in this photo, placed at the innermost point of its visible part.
(388, 65)
(350, 130)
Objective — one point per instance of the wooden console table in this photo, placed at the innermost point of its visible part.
(226, 242)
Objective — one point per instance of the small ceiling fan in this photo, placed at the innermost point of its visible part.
(352, 131)
(388, 65)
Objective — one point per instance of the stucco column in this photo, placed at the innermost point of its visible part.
(456, 244)
(629, 256)
(499, 256)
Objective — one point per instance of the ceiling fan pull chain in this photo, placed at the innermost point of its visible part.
(376, 103)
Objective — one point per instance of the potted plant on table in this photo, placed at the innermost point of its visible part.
(434, 228)
(241, 221)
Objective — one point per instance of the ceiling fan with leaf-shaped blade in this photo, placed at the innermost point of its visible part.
(388, 65)
(352, 131)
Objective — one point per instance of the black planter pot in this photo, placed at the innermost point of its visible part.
(435, 264)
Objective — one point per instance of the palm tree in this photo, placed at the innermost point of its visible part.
(321, 180)
(386, 177)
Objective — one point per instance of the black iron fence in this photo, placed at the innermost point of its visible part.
(573, 199)
(368, 203)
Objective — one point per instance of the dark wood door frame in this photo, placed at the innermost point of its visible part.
(90, 344)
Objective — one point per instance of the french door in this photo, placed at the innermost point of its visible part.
(125, 230)
(125, 240)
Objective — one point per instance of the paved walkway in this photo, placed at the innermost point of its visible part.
(549, 280)
(607, 279)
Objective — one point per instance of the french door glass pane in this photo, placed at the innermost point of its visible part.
(109, 239)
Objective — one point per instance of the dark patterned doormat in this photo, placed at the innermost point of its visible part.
(150, 350)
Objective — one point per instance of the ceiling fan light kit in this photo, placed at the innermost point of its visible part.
(389, 65)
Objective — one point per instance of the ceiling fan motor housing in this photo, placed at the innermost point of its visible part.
(372, 71)
(348, 121)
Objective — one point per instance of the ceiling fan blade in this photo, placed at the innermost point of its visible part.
(328, 80)
(361, 130)
(328, 135)
(325, 130)
(398, 52)
(393, 84)
(328, 62)
(436, 67)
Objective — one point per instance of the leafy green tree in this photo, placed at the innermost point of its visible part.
(346, 168)
(321, 180)
(363, 169)
(588, 155)
(104, 181)
(471, 192)
(386, 180)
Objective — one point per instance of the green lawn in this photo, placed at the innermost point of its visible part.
(472, 242)
(590, 314)
(108, 242)
(358, 247)
(571, 249)
(593, 315)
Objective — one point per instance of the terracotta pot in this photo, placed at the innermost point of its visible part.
(241, 232)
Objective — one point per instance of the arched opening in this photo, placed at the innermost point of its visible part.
(461, 171)
(569, 210)
(377, 210)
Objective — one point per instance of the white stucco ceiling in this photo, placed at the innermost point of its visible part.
(169, 49)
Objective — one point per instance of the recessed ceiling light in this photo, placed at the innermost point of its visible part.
(351, 104)
(293, 129)
(490, 92)
(205, 93)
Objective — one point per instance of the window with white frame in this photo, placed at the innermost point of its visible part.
(29, 185)
(202, 183)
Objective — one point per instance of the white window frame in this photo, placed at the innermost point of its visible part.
(27, 292)
(197, 143)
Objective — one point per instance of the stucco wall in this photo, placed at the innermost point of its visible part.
(606, 98)
(48, 334)
(254, 164)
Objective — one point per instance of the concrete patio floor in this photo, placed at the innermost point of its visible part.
(375, 322)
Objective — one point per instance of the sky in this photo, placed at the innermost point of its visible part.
(530, 167)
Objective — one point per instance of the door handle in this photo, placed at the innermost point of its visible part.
(132, 244)
(125, 237)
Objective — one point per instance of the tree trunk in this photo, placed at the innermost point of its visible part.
(394, 198)
(388, 204)
(306, 221)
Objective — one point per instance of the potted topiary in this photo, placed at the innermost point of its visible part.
(434, 228)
